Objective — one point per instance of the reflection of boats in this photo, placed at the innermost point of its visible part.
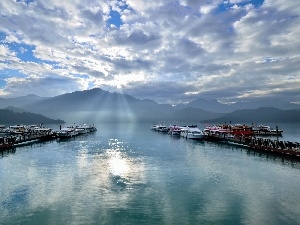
(266, 130)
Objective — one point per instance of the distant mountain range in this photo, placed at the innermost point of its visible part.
(97, 105)
(20, 102)
(214, 106)
(11, 116)
(260, 115)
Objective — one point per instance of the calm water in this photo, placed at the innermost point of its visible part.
(128, 174)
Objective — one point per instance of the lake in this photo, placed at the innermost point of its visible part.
(128, 174)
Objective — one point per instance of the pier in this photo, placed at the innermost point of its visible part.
(37, 134)
(287, 148)
(246, 136)
(8, 142)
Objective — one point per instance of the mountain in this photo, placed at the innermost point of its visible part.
(192, 115)
(260, 115)
(15, 109)
(8, 116)
(213, 105)
(20, 101)
(99, 105)
(265, 102)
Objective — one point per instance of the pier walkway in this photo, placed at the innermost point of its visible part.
(11, 141)
(256, 143)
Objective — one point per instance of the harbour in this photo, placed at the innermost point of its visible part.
(245, 136)
(242, 135)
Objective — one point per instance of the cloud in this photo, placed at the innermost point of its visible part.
(186, 48)
(21, 86)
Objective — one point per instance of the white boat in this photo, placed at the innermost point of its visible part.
(3, 129)
(174, 130)
(154, 127)
(16, 129)
(183, 131)
(66, 132)
(266, 130)
(81, 130)
(193, 133)
(163, 128)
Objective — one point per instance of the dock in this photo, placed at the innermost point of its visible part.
(250, 138)
(286, 148)
(29, 136)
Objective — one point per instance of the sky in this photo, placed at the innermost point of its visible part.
(168, 51)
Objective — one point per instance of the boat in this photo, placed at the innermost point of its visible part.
(154, 127)
(2, 128)
(16, 129)
(174, 130)
(237, 129)
(193, 133)
(87, 127)
(162, 128)
(66, 132)
(266, 130)
(217, 128)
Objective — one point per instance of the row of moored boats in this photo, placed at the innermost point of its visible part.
(190, 132)
(193, 132)
(63, 132)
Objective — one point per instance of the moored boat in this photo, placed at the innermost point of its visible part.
(162, 128)
(154, 127)
(174, 130)
(193, 133)
(66, 132)
(266, 130)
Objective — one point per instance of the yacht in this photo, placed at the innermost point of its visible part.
(66, 132)
(174, 130)
(193, 133)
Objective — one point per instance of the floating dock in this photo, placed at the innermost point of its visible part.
(30, 136)
(287, 148)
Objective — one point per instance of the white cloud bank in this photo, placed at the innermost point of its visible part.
(169, 51)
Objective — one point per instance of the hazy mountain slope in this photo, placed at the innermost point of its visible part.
(98, 105)
(210, 105)
(265, 102)
(9, 117)
(260, 115)
(15, 109)
(213, 105)
(20, 101)
(192, 114)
